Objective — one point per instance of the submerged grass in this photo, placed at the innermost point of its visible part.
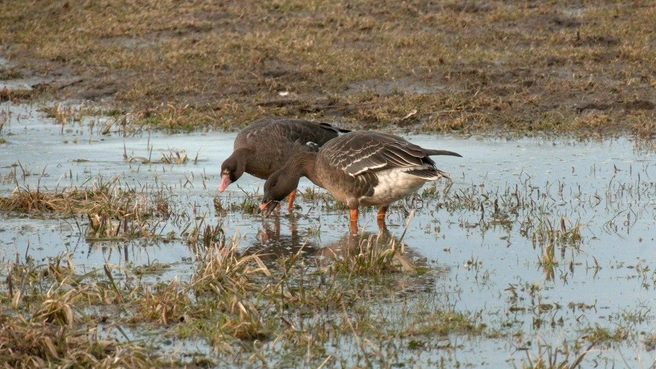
(230, 302)
(363, 292)
(112, 211)
(243, 307)
(35, 344)
(557, 356)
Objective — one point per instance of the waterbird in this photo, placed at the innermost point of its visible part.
(361, 168)
(266, 144)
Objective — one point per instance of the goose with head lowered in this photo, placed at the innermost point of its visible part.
(360, 169)
(266, 144)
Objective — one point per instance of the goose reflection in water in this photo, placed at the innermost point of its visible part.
(272, 244)
(365, 253)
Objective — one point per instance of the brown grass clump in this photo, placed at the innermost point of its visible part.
(227, 281)
(38, 344)
(45, 323)
(370, 254)
(112, 212)
(100, 196)
(163, 304)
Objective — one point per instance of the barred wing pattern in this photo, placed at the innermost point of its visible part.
(360, 169)
(378, 152)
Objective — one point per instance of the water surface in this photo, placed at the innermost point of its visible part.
(492, 258)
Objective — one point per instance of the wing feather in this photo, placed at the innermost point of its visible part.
(362, 152)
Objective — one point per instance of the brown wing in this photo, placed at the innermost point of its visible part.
(273, 130)
(360, 152)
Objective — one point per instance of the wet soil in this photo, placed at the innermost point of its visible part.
(449, 67)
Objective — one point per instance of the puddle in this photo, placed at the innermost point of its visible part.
(488, 238)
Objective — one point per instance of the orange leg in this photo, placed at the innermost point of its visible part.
(380, 217)
(354, 221)
(267, 234)
(292, 196)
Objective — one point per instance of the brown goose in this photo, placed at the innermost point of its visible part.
(266, 144)
(358, 168)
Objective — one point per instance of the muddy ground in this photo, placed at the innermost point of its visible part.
(115, 249)
(446, 66)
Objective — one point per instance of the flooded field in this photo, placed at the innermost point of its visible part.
(542, 247)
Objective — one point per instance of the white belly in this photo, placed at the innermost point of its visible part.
(393, 185)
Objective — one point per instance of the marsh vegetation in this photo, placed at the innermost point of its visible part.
(117, 251)
(520, 261)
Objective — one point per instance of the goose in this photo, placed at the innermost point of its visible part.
(266, 144)
(360, 169)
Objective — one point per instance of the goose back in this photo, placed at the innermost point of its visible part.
(373, 168)
(266, 144)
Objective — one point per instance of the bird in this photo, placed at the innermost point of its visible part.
(360, 168)
(267, 143)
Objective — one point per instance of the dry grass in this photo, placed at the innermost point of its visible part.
(52, 314)
(39, 344)
(445, 66)
(112, 212)
(45, 323)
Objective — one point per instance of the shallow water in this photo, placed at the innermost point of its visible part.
(491, 258)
